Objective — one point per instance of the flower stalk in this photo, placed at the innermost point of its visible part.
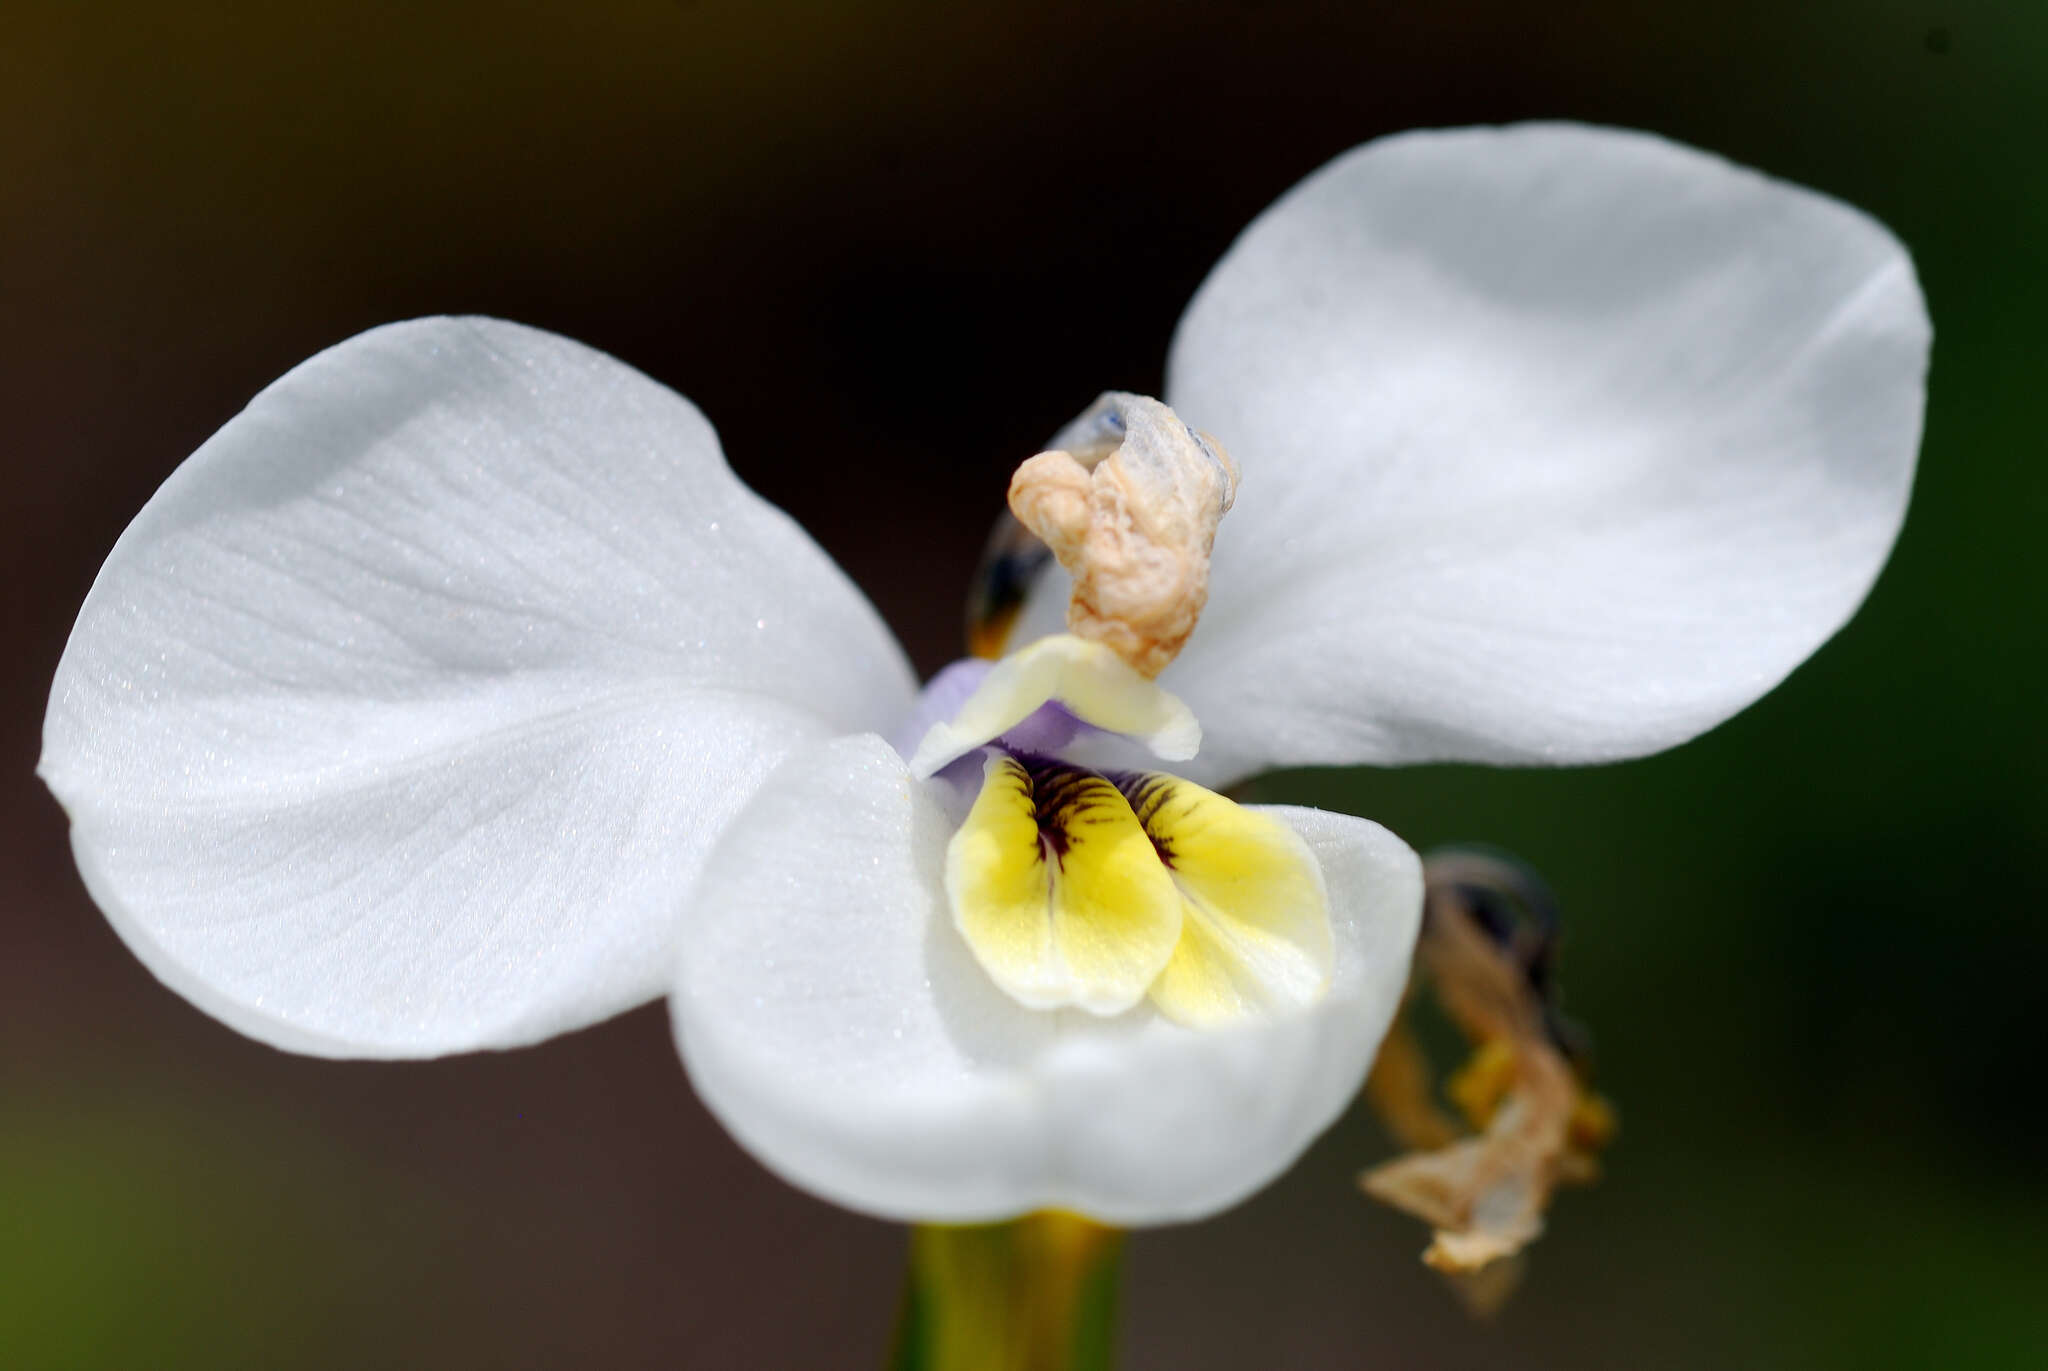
(1034, 1294)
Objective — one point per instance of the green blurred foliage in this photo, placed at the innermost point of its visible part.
(163, 1234)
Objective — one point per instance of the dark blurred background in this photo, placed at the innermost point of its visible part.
(901, 242)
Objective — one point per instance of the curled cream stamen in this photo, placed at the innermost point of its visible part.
(1091, 681)
(1128, 500)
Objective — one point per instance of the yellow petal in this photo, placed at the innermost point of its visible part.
(1255, 937)
(1089, 679)
(1058, 891)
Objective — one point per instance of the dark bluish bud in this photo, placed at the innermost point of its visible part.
(1011, 562)
(1505, 898)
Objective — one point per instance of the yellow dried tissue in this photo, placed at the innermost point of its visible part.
(1488, 936)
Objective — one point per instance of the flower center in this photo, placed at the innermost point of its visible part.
(1100, 886)
(1096, 885)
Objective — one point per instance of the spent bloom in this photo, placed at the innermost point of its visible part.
(456, 694)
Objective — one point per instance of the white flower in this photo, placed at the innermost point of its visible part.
(456, 695)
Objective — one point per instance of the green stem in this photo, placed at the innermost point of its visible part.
(1035, 1294)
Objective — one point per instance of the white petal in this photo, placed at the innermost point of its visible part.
(1559, 445)
(832, 1017)
(399, 720)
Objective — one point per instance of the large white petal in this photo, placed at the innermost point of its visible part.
(830, 1014)
(1559, 444)
(400, 719)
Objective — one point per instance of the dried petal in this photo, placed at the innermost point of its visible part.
(1488, 935)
